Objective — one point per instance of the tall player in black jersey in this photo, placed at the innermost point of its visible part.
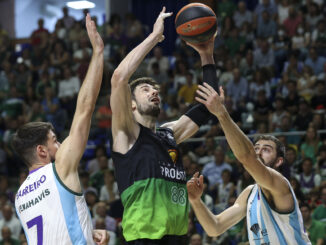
(149, 171)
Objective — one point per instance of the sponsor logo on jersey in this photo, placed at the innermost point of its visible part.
(173, 154)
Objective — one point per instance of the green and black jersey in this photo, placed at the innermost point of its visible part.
(152, 185)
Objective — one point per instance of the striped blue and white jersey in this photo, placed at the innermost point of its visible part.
(268, 227)
(51, 213)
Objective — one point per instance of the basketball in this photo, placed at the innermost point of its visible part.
(196, 23)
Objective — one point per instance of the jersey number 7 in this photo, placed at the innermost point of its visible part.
(38, 221)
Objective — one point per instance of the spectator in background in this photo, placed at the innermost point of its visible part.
(9, 220)
(242, 15)
(67, 20)
(292, 97)
(291, 159)
(315, 229)
(59, 56)
(265, 5)
(159, 76)
(225, 8)
(44, 81)
(321, 162)
(85, 182)
(101, 212)
(247, 67)
(304, 116)
(275, 118)
(282, 11)
(97, 178)
(308, 179)
(309, 148)
(39, 34)
(237, 88)
(225, 190)
(7, 238)
(315, 62)
(213, 170)
(318, 100)
(267, 27)
(292, 22)
(52, 110)
(313, 16)
(159, 58)
(262, 108)
(109, 191)
(187, 92)
(68, 90)
(264, 55)
(259, 83)
(318, 37)
(320, 212)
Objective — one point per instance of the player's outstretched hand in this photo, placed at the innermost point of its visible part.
(195, 187)
(213, 101)
(101, 237)
(206, 47)
(158, 28)
(94, 36)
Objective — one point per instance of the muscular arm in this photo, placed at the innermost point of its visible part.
(184, 128)
(268, 178)
(72, 148)
(124, 127)
(216, 225)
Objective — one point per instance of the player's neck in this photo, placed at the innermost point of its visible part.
(36, 166)
(148, 122)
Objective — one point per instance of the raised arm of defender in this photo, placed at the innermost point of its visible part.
(125, 129)
(215, 225)
(72, 148)
(268, 178)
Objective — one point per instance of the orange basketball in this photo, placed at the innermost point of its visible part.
(196, 23)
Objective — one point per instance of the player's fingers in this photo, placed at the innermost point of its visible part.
(202, 94)
(163, 10)
(201, 180)
(200, 100)
(204, 89)
(209, 87)
(221, 92)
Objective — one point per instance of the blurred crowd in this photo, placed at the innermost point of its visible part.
(270, 59)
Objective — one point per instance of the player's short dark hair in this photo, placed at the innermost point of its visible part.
(148, 80)
(27, 137)
(280, 148)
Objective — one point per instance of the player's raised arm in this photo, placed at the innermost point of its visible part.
(215, 225)
(72, 148)
(188, 124)
(124, 127)
(242, 147)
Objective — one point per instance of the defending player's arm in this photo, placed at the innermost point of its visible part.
(188, 124)
(215, 225)
(240, 144)
(72, 148)
(124, 127)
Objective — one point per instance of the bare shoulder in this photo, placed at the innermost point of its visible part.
(244, 195)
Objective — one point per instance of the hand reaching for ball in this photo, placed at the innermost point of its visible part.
(158, 28)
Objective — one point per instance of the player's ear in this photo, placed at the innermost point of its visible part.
(279, 162)
(41, 151)
(133, 105)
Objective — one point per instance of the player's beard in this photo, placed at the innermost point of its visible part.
(270, 164)
(151, 110)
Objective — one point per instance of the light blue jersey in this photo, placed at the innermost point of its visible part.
(50, 213)
(268, 227)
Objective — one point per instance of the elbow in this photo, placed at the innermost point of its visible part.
(247, 157)
(118, 77)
